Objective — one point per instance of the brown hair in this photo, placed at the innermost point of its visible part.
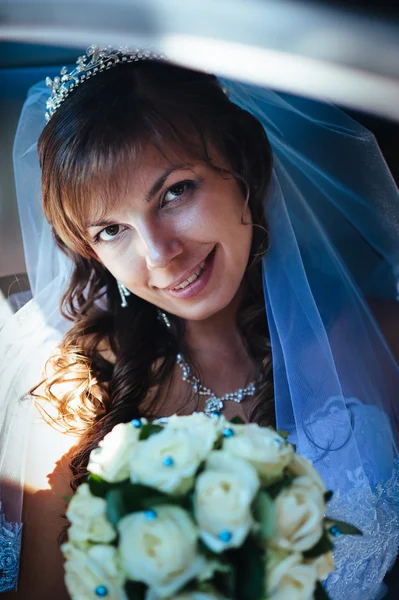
(90, 144)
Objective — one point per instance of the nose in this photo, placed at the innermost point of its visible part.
(159, 246)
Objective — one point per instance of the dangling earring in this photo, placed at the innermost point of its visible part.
(163, 317)
(124, 293)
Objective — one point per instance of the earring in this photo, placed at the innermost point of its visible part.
(124, 293)
(163, 317)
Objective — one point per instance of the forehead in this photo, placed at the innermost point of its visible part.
(153, 162)
(131, 174)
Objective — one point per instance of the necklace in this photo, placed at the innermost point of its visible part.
(214, 402)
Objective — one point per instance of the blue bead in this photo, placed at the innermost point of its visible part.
(335, 531)
(168, 461)
(137, 423)
(151, 515)
(225, 536)
(216, 414)
(101, 591)
(228, 432)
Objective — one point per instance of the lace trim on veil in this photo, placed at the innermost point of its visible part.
(362, 561)
(10, 550)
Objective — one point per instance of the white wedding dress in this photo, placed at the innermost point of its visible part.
(332, 210)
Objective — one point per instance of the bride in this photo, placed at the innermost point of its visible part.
(207, 246)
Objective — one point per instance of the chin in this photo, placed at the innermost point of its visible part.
(206, 309)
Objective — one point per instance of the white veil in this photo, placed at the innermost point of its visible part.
(30, 336)
(334, 241)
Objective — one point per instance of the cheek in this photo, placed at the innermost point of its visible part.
(126, 266)
(216, 217)
(230, 225)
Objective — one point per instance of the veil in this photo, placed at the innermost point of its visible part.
(332, 213)
(332, 210)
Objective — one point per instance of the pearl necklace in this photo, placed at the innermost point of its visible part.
(214, 402)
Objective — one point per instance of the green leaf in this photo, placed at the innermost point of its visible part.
(237, 420)
(327, 496)
(265, 514)
(345, 528)
(140, 497)
(67, 498)
(219, 575)
(320, 592)
(135, 590)
(276, 488)
(218, 445)
(148, 430)
(116, 507)
(323, 546)
(225, 582)
(98, 486)
(282, 433)
(129, 498)
(206, 588)
(152, 501)
(249, 566)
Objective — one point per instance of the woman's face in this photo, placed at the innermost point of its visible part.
(178, 238)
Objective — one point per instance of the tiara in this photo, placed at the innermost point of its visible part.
(93, 62)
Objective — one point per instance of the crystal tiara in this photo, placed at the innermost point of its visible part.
(93, 62)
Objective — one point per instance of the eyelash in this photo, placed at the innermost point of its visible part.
(97, 239)
(188, 185)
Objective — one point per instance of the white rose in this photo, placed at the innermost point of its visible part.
(265, 449)
(302, 467)
(162, 551)
(222, 501)
(111, 459)
(87, 572)
(87, 515)
(204, 430)
(288, 578)
(299, 516)
(168, 460)
(324, 565)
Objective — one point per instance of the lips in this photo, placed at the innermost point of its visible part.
(190, 279)
(199, 280)
(189, 276)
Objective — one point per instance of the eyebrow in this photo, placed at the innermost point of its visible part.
(158, 185)
(160, 182)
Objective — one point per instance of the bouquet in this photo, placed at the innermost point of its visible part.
(199, 508)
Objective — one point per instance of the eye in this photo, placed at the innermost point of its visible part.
(177, 191)
(108, 234)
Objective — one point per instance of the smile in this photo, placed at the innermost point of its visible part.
(192, 277)
(196, 281)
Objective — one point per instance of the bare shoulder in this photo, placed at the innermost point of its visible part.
(47, 483)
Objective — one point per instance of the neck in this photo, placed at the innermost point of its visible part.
(218, 353)
(216, 337)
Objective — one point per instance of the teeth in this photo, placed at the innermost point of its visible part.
(192, 278)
